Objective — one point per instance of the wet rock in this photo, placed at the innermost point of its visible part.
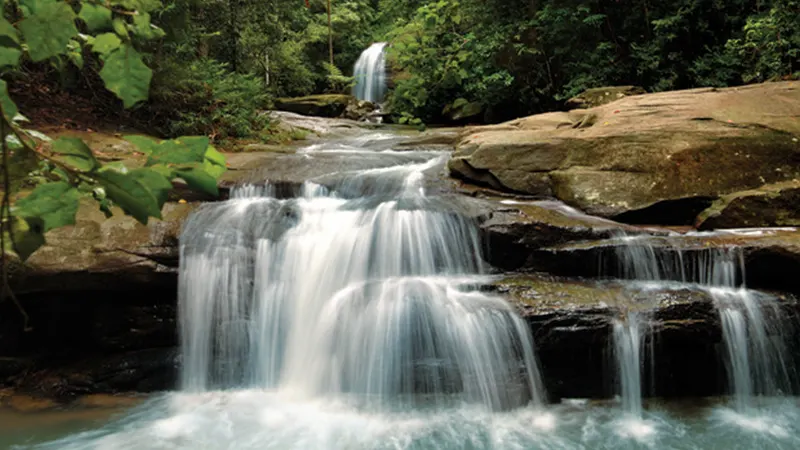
(572, 325)
(515, 229)
(644, 150)
(771, 205)
(359, 110)
(771, 258)
(592, 98)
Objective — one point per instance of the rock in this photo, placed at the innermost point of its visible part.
(572, 325)
(516, 229)
(359, 110)
(96, 253)
(591, 98)
(320, 126)
(770, 258)
(654, 158)
(771, 205)
(324, 105)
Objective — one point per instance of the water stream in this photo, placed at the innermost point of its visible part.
(752, 322)
(348, 315)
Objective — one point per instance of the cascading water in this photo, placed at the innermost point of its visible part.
(370, 74)
(755, 357)
(628, 338)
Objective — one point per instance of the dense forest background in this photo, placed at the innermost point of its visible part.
(218, 62)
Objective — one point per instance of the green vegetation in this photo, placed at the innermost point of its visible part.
(516, 57)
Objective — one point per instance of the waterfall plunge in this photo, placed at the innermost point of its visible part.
(322, 297)
(370, 74)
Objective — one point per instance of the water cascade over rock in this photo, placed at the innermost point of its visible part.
(370, 74)
(752, 323)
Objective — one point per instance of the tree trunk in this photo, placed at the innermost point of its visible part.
(330, 34)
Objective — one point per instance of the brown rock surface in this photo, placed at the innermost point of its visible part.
(644, 150)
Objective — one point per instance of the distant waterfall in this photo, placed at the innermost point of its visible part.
(370, 74)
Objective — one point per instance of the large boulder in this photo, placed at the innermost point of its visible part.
(657, 158)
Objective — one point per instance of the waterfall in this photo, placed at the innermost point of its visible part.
(627, 338)
(369, 297)
(755, 357)
(370, 74)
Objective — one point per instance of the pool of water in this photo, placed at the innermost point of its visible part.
(254, 419)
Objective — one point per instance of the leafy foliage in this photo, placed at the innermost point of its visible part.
(69, 169)
(515, 57)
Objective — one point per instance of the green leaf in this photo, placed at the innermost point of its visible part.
(8, 34)
(179, 151)
(144, 144)
(140, 5)
(106, 43)
(48, 31)
(28, 236)
(74, 153)
(126, 75)
(120, 28)
(198, 179)
(54, 203)
(214, 163)
(30, 7)
(144, 29)
(9, 56)
(96, 17)
(9, 107)
(155, 182)
(130, 194)
(214, 157)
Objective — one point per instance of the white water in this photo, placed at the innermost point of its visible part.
(754, 349)
(370, 74)
(627, 339)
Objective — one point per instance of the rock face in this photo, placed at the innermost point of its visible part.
(655, 158)
(572, 320)
(326, 105)
(771, 205)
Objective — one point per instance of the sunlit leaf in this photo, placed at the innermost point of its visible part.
(106, 43)
(126, 75)
(48, 31)
(155, 182)
(9, 107)
(74, 153)
(144, 144)
(54, 203)
(96, 17)
(198, 179)
(28, 236)
(129, 194)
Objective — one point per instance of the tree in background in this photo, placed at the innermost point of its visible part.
(515, 57)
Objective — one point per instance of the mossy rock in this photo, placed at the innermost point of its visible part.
(771, 205)
(325, 105)
(594, 97)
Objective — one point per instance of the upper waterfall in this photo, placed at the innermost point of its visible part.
(370, 74)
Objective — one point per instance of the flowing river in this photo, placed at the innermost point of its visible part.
(348, 314)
